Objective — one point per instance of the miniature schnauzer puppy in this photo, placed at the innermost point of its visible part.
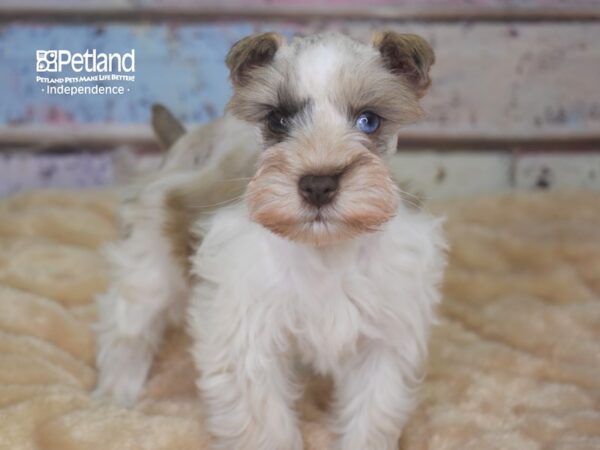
(320, 263)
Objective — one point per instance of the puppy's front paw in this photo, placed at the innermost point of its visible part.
(255, 438)
(123, 366)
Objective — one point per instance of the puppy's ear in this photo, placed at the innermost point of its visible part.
(166, 126)
(251, 52)
(407, 55)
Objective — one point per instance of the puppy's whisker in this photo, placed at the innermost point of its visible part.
(403, 192)
(217, 204)
(234, 179)
(412, 203)
(411, 199)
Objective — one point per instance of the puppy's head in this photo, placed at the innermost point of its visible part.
(328, 108)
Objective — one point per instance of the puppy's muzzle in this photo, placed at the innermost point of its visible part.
(318, 190)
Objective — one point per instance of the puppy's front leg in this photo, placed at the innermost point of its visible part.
(373, 400)
(247, 387)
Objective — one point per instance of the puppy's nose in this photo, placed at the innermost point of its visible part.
(318, 190)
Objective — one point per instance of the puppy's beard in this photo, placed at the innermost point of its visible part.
(366, 197)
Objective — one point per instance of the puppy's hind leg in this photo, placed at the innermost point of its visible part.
(150, 279)
(148, 283)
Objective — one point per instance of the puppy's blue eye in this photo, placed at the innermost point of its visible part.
(368, 122)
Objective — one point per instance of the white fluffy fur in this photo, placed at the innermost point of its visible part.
(360, 311)
(147, 291)
(148, 288)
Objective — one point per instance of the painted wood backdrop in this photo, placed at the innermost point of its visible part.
(516, 70)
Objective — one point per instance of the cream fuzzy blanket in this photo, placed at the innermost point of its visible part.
(515, 361)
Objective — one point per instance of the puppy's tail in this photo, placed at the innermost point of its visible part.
(166, 126)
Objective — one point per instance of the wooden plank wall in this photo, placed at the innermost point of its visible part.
(386, 9)
(508, 72)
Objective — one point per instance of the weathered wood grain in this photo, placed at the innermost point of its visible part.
(102, 136)
(301, 9)
(519, 81)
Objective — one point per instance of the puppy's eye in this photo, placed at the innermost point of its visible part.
(368, 122)
(277, 122)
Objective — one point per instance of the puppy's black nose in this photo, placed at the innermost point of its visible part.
(318, 190)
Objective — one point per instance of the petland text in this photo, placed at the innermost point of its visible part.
(90, 61)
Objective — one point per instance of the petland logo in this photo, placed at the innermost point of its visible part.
(90, 61)
(61, 72)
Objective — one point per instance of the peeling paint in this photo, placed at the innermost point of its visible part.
(497, 79)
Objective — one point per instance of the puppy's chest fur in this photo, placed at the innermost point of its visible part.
(324, 295)
(321, 303)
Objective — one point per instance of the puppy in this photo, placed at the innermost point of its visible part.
(320, 263)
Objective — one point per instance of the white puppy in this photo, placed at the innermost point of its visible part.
(320, 264)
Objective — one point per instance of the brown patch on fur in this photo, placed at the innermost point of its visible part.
(407, 55)
(253, 101)
(288, 107)
(319, 143)
(367, 196)
(268, 189)
(380, 91)
(370, 87)
(371, 180)
(252, 52)
(186, 203)
(177, 228)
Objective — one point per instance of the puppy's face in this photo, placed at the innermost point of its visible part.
(328, 108)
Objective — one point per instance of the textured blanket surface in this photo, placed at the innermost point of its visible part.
(515, 360)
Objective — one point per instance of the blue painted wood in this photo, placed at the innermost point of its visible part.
(181, 66)
(491, 80)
